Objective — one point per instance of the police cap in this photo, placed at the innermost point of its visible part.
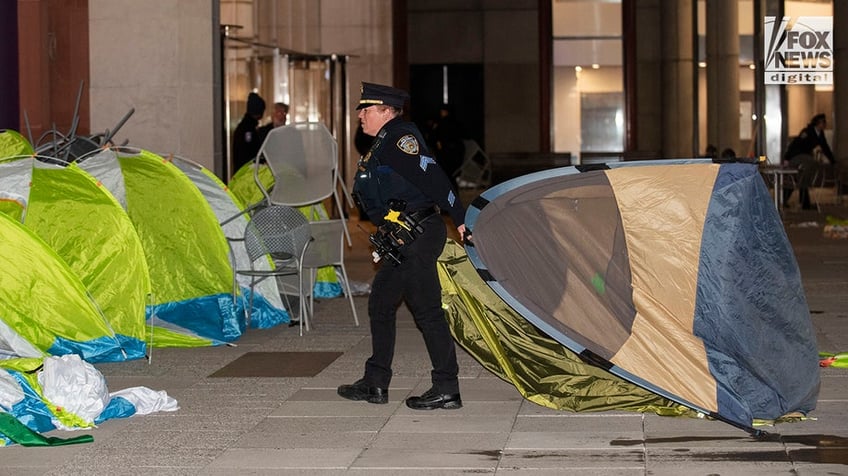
(378, 94)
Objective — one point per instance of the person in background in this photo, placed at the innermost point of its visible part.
(807, 152)
(399, 174)
(279, 118)
(711, 151)
(728, 155)
(246, 141)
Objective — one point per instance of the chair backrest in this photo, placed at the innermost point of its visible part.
(277, 230)
(327, 245)
(303, 157)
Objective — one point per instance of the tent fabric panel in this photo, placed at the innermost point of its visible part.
(168, 335)
(751, 306)
(542, 370)
(211, 316)
(106, 169)
(43, 299)
(662, 211)
(243, 184)
(572, 270)
(12, 143)
(32, 411)
(229, 211)
(101, 349)
(185, 248)
(265, 315)
(15, 183)
(87, 227)
(14, 345)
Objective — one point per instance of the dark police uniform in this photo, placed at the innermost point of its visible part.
(400, 167)
(246, 138)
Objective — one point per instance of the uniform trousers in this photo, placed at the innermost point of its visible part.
(415, 281)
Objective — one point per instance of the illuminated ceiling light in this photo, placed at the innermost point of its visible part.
(578, 69)
(702, 64)
(752, 66)
(595, 66)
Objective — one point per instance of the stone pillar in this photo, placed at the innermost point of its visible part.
(840, 89)
(34, 68)
(723, 74)
(678, 87)
(647, 81)
(9, 108)
(770, 98)
(158, 58)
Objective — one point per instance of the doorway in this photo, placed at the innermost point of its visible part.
(460, 85)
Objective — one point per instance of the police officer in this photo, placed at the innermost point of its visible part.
(246, 140)
(399, 172)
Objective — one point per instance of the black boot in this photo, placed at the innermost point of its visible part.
(432, 399)
(360, 390)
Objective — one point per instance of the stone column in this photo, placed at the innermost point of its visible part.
(9, 109)
(647, 80)
(678, 87)
(158, 58)
(840, 90)
(723, 74)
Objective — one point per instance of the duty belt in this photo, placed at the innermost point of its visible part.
(424, 213)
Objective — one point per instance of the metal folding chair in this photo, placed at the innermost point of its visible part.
(280, 234)
(303, 158)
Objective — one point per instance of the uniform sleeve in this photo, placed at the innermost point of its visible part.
(421, 170)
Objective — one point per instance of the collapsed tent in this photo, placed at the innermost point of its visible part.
(541, 369)
(89, 230)
(676, 276)
(193, 303)
(39, 395)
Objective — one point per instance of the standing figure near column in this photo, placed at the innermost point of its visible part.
(246, 141)
(803, 153)
(403, 189)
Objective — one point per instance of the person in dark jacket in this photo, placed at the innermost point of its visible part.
(246, 141)
(402, 188)
(807, 152)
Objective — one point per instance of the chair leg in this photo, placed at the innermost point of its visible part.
(346, 285)
(250, 305)
(304, 317)
(312, 274)
(815, 196)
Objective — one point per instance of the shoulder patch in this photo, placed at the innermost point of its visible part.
(408, 144)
